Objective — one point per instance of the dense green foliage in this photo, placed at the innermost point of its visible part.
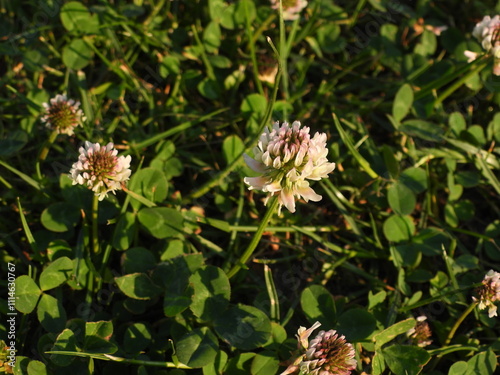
(408, 226)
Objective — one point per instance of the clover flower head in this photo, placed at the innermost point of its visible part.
(267, 68)
(421, 333)
(100, 169)
(326, 354)
(286, 157)
(291, 8)
(62, 114)
(489, 293)
(487, 32)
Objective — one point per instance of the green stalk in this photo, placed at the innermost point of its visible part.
(459, 321)
(255, 240)
(251, 48)
(450, 90)
(95, 210)
(45, 151)
(283, 59)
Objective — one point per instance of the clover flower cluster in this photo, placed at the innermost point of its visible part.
(62, 114)
(287, 156)
(291, 8)
(487, 32)
(100, 169)
(489, 293)
(326, 354)
(420, 334)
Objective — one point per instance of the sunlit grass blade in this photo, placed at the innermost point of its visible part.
(22, 175)
(274, 308)
(354, 152)
(108, 357)
(27, 230)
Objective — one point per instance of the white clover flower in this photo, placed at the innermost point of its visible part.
(487, 32)
(421, 333)
(287, 157)
(62, 115)
(291, 8)
(489, 293)
(100, 169)
(326, 354)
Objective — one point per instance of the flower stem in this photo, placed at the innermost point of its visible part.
(95, 210)
(458, 322)
(255, 240)
(45, 150)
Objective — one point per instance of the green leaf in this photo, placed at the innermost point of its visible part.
(327, 37)
(124, 231)
(391, 163)
(406, 360)
(58, 249)
(137, 286)
(244, 327)
(422, 129)
(218, 365)
(458, 368)
(197, 348)
(318, 305)
(378, 363)
(457, 123)
(21, 367)
(138, 259)
(102, 329)
(483, 363)
(212, 37)
(161, 222)
(51, 314)
(56, 273)
(415, 179)
(13, 142)
(66, 341)
(376, 299)
(60, 217)
(136, 338)
(264, 363)
(401, 199)
(254, 105)
(356, 324)
(245, 9)
(211, 292)
(97, 337)
(77, 54)
(398, 228)
(76, 17)
(174, 276)
(232, 147)
(391, 332)
(27, 294)
(151, 183)
(209, 89)
(402, 102)
(37, 368)
(240, 364)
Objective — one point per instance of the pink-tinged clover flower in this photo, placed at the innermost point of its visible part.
(100, 169)
(62, 115)
(489, 293)
(291, 8)
(421, 333)
(326, 354)
(287, 157)
(487, 32)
